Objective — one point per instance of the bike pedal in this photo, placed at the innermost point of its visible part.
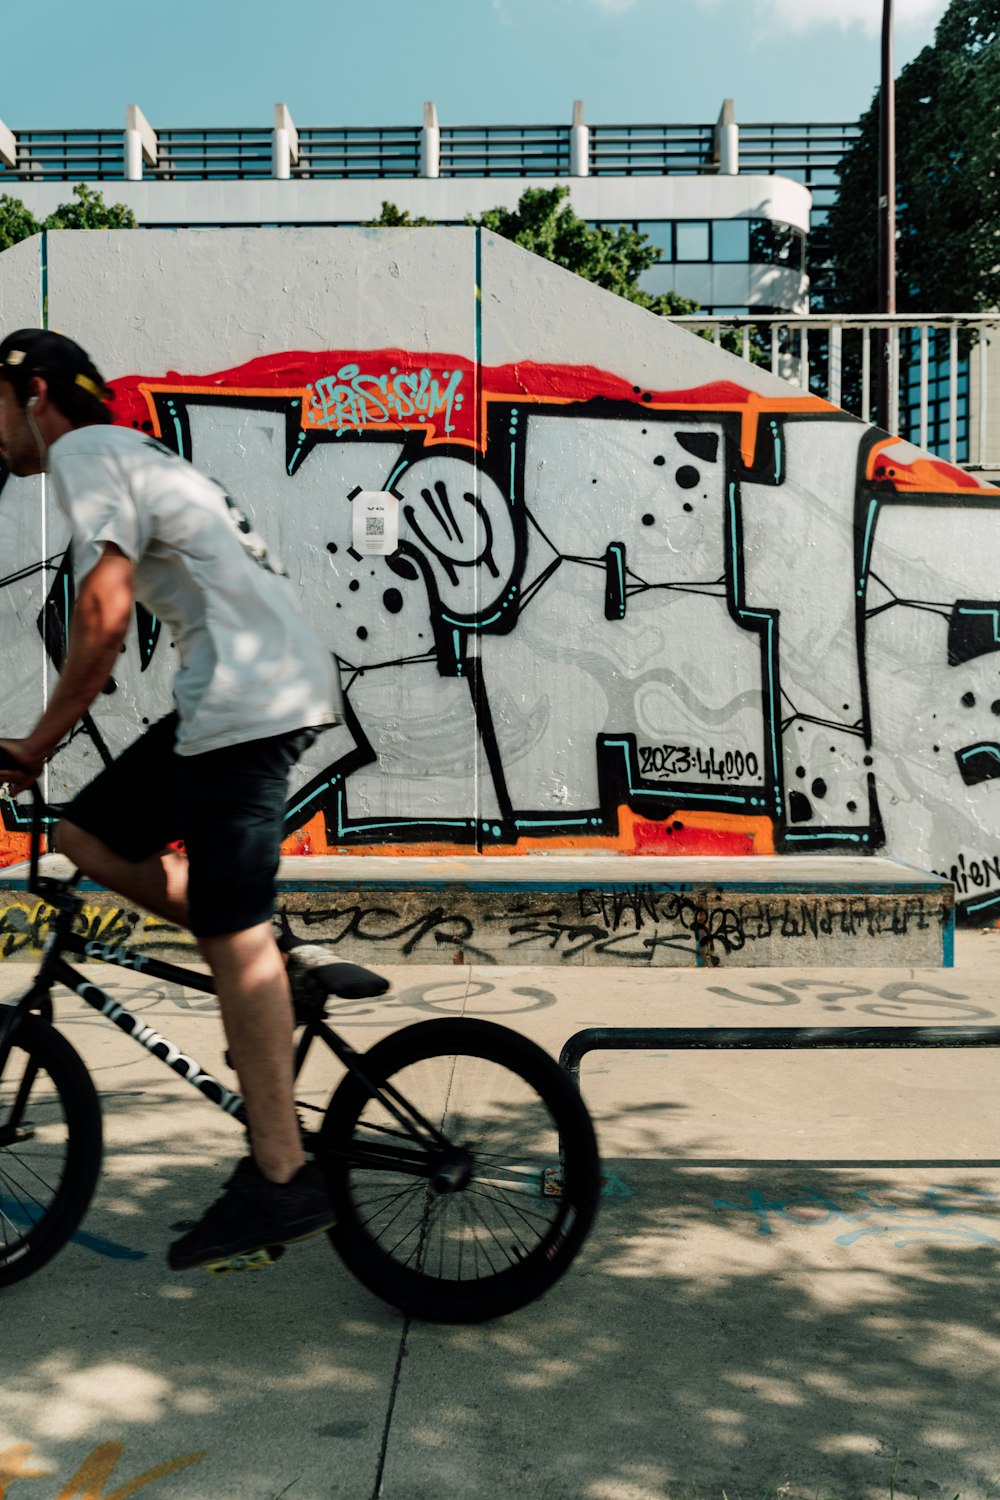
(251, 1260)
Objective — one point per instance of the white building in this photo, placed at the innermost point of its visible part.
(729, 205)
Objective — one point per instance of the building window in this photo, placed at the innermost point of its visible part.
(731, 240)
(691, 240)
(660, 231)
(772, 243)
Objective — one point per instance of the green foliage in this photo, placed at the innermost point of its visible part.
(948, 186)
(544, 223)
(391, 217)
(88, 212)
(16, 222)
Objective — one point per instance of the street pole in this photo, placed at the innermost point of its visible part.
(886, 413)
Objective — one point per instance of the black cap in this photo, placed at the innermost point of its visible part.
(41, 351)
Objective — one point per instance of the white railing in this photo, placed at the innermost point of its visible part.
(939, 368)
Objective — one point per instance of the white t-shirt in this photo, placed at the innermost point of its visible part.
(249, 665)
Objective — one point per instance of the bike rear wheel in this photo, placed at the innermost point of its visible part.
(50, 1147)
(464, 1170)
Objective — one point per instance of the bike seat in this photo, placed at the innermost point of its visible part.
(350, 981)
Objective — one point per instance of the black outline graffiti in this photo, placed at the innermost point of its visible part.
(531, 561)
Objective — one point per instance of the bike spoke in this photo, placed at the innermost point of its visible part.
(11, 1192)
(22, 1161)
(514, 1207)
(404, 1192)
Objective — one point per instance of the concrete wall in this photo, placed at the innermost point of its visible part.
(636, 606)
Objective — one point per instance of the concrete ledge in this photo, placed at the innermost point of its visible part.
(538, 909)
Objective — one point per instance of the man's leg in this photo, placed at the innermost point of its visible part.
(158, 883)
(229, 807)
(251, 985)
(256, 1003)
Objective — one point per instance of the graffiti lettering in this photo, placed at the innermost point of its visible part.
(353, 399)
(978, 875)
(96, 1471)
(24, 925)
(615, 618)
(679, 760)
(897, 998)
(909, 1216)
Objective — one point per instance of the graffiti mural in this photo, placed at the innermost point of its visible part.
(671, 622)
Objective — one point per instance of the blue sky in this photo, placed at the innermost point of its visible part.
(355, 62)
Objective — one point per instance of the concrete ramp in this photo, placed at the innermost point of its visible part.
(625, 596)
(611, 911)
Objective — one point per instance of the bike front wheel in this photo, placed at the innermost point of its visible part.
(50, 1147)
(463, 1169)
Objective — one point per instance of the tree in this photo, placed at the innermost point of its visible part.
(88, 212)
(91, 212)
(544, 223)
(948, 184)
(392, 217)
(16, 222)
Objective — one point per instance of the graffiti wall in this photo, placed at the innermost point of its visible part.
(643, 597)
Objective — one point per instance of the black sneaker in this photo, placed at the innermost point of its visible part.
(255, 1215)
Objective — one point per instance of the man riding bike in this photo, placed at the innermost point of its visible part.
(254, 685)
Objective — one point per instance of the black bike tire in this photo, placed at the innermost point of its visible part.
(78, 1097)
(451, 1301)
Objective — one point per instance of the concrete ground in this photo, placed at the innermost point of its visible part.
(791, 1290)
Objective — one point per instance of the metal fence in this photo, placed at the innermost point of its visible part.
(939, 369)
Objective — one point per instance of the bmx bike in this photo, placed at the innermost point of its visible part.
(461, 1161)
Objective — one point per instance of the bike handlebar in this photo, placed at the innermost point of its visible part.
(37, 811)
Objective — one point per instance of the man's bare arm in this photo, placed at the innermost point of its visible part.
(101, 617)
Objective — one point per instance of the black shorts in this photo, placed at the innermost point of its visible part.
(227, 805)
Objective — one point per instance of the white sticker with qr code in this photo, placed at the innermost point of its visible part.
(375, 522)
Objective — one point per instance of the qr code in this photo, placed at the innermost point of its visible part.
(374, 525)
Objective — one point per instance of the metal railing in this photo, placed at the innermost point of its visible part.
(497, 151)
(67, 156)
(211, 155)
(809, 152)
(335, 152)
(652, 150)
(939, 369)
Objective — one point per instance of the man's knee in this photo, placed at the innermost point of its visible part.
(75, 843)
(62, 837)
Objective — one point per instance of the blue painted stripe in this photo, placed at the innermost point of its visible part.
(992, 614)
(805, 890)
(306, 800)
(983, 905)
(852, 838)
(737, 572)
(553, 822)
(406, 823)
(985, 749)
(866, 550)
(43, 276)
(948, 943)
(107, 1248)
(470, 625)
(15, 1214)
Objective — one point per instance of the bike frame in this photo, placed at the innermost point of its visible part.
(54, 969)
